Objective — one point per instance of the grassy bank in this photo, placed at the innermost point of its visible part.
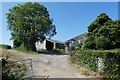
(5, 46)
(11, 70)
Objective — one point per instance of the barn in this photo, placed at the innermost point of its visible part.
(74, 41)
(49, 44)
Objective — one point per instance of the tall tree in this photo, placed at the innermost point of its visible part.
(103, 33)
(111, 30)
(93, 30)
(29, 22)
(97, 23)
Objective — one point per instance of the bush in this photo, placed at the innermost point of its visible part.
(103, 43)
(22, 47)
(61, 51)
(5, 46)
(26, 47)
(88, 59)
(89, 43)
(85, 58)
(13, 71)
(16, 44)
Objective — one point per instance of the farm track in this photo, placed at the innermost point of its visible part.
(54, 66)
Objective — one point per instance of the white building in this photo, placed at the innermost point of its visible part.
(49, 44)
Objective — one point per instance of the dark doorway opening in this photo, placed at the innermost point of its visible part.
(49, 45)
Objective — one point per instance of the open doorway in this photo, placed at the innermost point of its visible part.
(49, 45)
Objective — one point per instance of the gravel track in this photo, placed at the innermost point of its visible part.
(54, 66)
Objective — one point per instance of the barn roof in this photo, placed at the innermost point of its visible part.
(79, 37)
(56, 41)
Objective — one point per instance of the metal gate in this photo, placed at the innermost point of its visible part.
(29, 75)
(30, 72)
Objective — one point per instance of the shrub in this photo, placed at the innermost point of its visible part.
(22, 47)
(13, 71)
(88, 59)
(89, 43)
(5, 46)
(61, 51)
(16, 44)
(84, 58)
(102, 43)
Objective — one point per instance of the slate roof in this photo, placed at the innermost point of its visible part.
(56, 41)
(80, 37)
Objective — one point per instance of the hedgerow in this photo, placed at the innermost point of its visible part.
(89, 59)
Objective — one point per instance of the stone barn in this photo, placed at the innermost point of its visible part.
(49, 44)
(74, 41)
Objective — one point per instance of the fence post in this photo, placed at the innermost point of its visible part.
(100, 64)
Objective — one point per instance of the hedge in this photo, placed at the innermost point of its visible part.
(89, 59)
(59, 51)
(13, 71)
(5, 46)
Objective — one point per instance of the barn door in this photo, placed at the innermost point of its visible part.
(49, 45)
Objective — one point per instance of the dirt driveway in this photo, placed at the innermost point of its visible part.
(54, 66)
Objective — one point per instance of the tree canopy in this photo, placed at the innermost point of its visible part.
(103, 33)
(29, 22)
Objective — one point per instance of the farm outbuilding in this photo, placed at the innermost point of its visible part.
(74, 41)
(49, 44)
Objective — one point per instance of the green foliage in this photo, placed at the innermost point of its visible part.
(16, 44)
(75, 47)
(61, 51)
(111, 30)
(84, 58)
(112, 65)
(13, 71)
(85, 73)
(5, 46)
(88, 59)
(102, 43)
(99, 21)
(22, 47)
(29, 22)
(103, 33)
(89, 43)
